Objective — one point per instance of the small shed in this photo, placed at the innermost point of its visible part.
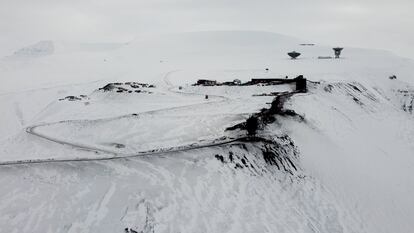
(301, 84)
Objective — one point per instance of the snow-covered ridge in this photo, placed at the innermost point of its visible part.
(196, 54)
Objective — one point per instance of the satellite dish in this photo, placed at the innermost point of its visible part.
(294, 54)
(337, 51)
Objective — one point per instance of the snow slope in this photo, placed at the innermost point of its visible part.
(359, 141)
(346, 168)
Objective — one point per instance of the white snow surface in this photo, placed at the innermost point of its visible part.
(355, 147)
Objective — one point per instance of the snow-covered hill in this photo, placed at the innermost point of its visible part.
(42, 48)
(159, 158)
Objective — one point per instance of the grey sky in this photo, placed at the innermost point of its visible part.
(360, 23)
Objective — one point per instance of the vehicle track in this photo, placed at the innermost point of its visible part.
(116, 155)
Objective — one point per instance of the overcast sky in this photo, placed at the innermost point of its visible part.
(359, 23)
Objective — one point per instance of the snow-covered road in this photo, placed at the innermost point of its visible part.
(100, 153)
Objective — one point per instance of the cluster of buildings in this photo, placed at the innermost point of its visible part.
(299, 81)
(206, 82)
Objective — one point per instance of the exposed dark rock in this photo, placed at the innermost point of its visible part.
(267, 94)
(107, 87)
(231, 156)
(355, 88)
(126, 87)
(266, 116)
(219, 157)
(356, 100)
(407, 100)
(130, 230)
(263, 155)
(244, 162)
(71, 98)
(238, 166)
(328, 88)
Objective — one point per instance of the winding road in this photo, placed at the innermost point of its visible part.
(116, 155)
(112, 155)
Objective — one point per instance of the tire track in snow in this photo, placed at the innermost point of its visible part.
(116, 155)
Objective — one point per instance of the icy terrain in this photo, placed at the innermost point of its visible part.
(77, 155)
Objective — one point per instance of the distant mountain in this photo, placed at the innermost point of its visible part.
(41, 48)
